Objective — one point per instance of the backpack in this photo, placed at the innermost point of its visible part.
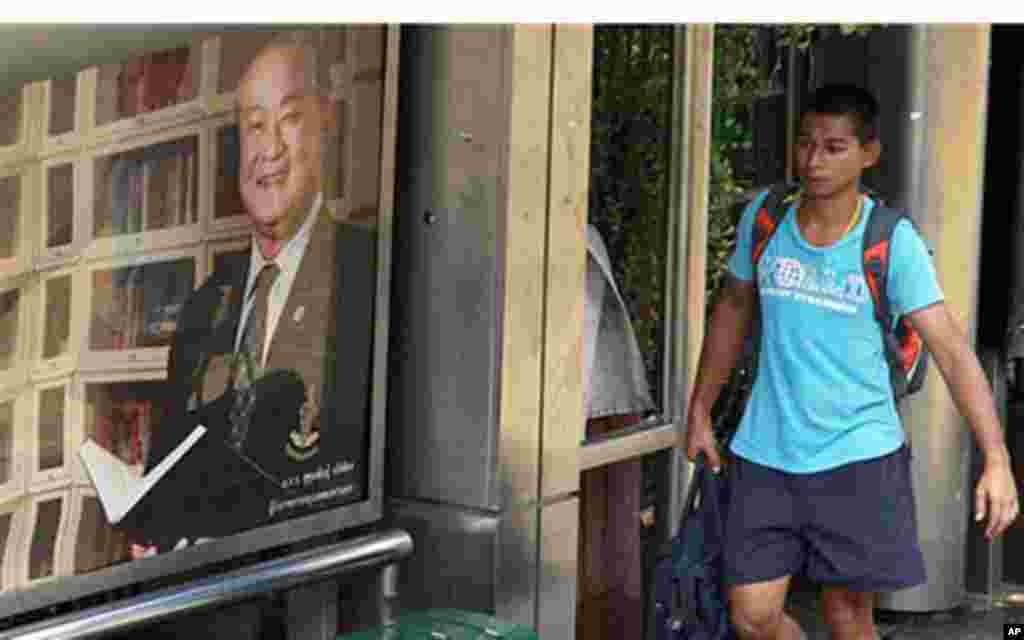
(904, 348)
(689, 598)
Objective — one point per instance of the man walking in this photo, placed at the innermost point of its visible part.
(822, 474)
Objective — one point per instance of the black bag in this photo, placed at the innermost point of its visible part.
(690, 600)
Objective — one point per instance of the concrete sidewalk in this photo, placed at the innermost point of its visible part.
(968, 622)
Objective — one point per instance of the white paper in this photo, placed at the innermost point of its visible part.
(117, 487)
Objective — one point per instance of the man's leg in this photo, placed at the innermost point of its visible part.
(850, 615)
(862, 539)
(762, 550)
(758, 611)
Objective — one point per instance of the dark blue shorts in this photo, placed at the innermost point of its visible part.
(853, 526)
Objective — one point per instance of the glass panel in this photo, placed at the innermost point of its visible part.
(10, 118)
(61, 210)
(5, 533)
(43, 550)
(147, 189)
(628, 215)
(9, 328)
(97, 544)
(63, 92)
(10, 214)
(138, 306)
(120, 417)
(623, 524)
(228, 200)
(51, 429)
(146, 83)
(57, 318)
(6, 443)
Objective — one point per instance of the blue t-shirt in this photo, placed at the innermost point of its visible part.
(822, 397)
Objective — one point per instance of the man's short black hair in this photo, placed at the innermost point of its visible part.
(848, 100)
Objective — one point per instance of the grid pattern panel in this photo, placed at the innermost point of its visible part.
(118, 196)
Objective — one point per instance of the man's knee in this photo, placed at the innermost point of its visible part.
(757, 610)
(848, 609)
(751, 618)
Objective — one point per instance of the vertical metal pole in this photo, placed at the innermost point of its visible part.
(676, 377)
(946, 204)
(312, 611)
(389, 604)
(688, 226)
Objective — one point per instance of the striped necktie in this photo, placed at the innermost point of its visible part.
(248, 363)
(254, 335)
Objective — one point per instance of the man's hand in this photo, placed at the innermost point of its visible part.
(722, 345)
(996, 497)
(701, 439)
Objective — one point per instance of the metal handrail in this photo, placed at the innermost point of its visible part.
(369, 551)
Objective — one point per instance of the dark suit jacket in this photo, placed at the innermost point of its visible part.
(325, 335)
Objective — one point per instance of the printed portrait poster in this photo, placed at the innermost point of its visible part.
(189, 353)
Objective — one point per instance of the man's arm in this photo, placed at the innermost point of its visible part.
(996, 494)
(722, 345)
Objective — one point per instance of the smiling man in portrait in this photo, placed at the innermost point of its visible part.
(273, 353)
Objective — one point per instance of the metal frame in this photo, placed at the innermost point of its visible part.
(377, 550)
(686, 256)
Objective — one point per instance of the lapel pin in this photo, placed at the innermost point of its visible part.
(300, 313)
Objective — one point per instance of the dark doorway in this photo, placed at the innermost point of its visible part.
(1000, 275)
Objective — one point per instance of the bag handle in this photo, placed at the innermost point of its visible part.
(696, 483)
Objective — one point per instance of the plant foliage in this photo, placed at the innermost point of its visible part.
(634, 75)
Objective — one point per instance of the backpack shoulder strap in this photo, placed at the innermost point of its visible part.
(875, 258)
(768, 217)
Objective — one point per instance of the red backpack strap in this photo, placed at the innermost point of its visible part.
(905, 346)
(768, 218)
(877, 241)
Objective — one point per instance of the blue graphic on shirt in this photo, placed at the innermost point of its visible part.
(788, 277)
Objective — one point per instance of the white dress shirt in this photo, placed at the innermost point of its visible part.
(288, 261)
